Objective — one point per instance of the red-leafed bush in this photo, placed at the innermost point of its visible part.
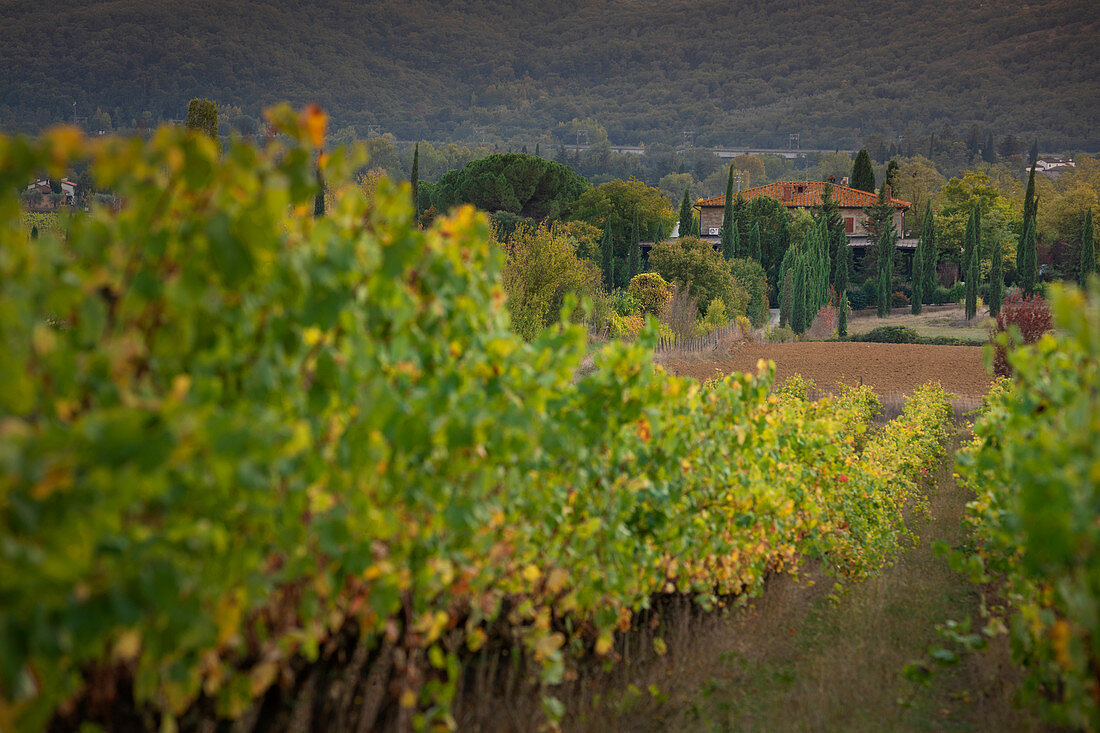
(899, 299)
(824, 323)
(1030, 315)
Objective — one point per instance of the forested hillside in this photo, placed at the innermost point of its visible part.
(747, 72)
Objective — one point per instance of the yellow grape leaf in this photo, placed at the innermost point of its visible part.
(603, 644)
(475, 639)
(181, 384)
(314, 121)
(43, 339)
(531, 574)
(556, 580)
(547, 645)
(128, 645)
(261, 677)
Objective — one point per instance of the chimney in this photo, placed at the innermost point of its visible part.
(831, 178)
(889, 191)
(844, 181)
(787, 192)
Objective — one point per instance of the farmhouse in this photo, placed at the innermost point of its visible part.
(42, 186)
(805, 195)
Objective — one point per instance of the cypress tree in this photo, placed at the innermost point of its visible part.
(786, 297)
(741, 214)
(415, 180)
(829, 212)
(825, 274)
(754, 242)
(319, 199)
(1027, 256)
(1027, 267)
(972, 290)
(863, 172)
(971, 258)
(917, 277)
(659, 235)
(538, 151)
(989, 155)
(732, 249)
(635, 265)
(1087, 265)
(799, 305)
(928, 234)
(34, 231)
(885, 274)
(842, 316)
(892, 170)
(686, 224)
(881, 225)
(842, 269)
(818, 268)
(607, 260)
(968, 243)
(728, 249)
(996, 278)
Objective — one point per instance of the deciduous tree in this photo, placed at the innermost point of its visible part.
(1027, 255)
(971, 258)
(202, 115)
(996, 278)
(1087, 264)
(616, 203)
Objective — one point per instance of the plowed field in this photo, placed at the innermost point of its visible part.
(888, 368)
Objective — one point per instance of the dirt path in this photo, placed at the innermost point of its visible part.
(798, 660)
(889, 368)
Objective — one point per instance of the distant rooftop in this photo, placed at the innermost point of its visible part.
(799, 194)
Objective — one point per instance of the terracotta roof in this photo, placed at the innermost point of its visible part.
(806, 193)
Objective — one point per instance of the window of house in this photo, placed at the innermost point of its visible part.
(849, 224)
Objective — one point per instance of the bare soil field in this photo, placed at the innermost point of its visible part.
(889, 368)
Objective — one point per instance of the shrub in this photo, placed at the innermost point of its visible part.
(857, 300)
(956, 293)
(650, 292)
(899, 300)
(623, 303)
(824, 323)
(779, 335)
(941, 295)
(1023, 320)
(345, 392)
(542, 270)
(715, 318)
(749, 274)
(890, 335)
(705, 273)
(625, 327)
(1032, 466)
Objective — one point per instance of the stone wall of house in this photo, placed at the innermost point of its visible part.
(710, 217)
